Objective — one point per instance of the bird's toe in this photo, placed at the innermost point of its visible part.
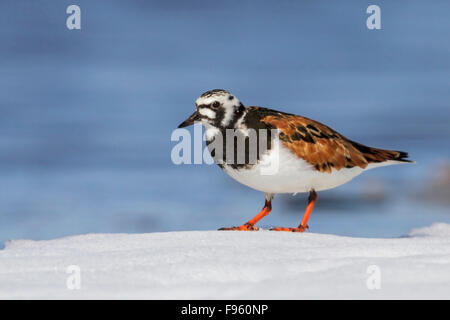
(244, 227)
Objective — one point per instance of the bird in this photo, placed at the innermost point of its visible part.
(309, 156)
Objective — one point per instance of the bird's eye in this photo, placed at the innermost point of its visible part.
(216, 104)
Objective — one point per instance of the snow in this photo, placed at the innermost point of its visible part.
(230, 265)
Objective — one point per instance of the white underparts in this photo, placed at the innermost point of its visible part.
(294, 174)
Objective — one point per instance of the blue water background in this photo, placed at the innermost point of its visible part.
(86, 116)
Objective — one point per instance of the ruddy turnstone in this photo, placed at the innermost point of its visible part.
(311, 156)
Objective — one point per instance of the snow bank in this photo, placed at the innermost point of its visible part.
(213, 265)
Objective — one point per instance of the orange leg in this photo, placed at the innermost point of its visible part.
(304, 224)
(250, 225)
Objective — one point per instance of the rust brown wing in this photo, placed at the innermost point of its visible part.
(323, 147)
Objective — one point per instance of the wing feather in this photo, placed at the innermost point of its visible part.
(323, 147)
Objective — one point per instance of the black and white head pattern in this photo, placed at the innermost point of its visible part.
(219, 108)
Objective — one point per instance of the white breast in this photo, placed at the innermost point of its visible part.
(291, 175)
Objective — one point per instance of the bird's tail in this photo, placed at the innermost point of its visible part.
(379, 156)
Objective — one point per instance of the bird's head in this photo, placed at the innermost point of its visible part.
(217, 108)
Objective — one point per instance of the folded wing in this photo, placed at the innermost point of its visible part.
(323, 147)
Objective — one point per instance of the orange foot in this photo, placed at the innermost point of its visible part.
(298, 229)
(244, 227)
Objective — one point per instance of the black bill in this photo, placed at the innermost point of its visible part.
(191, 120)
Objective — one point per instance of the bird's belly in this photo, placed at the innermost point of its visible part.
(291, 175)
